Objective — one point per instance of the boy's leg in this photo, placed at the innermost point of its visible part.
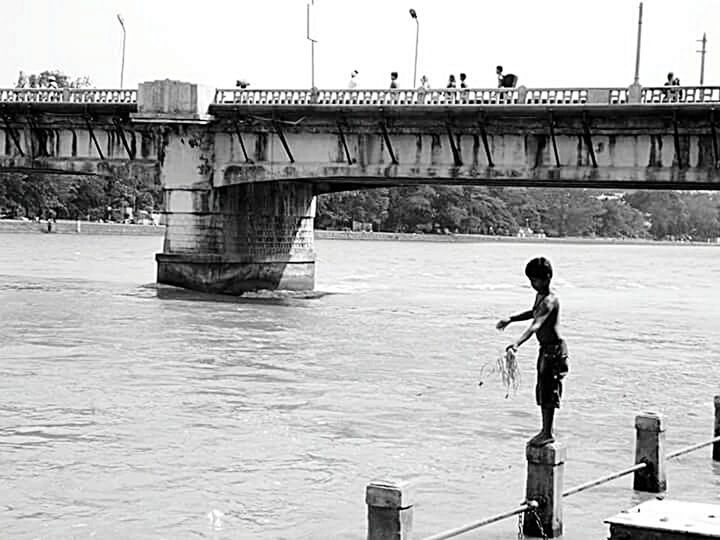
(548, 416)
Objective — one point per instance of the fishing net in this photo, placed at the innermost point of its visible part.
(506, 366)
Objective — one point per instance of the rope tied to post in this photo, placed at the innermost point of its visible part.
(532, 510)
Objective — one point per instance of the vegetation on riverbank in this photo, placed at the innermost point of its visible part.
(509, 211)
(449, 209)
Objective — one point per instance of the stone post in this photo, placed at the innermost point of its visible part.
(650, 449)
(634, 93)
(390, 511)
(522, 95)
(545, 471)
(716, 433)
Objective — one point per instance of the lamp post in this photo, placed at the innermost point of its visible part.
(637, 53)
(312, 46)
(413, 14)
(122, 63)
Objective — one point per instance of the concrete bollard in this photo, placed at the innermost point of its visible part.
(650, 448)
(545, 471)
(716, 445)
(390, 511)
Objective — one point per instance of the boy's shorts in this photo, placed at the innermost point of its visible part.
(552, 366)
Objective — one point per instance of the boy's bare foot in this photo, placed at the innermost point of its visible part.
(539, 435)
(542, 440)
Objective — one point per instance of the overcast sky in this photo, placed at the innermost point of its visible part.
(214, 42)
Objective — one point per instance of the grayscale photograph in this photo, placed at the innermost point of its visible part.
(294, 269)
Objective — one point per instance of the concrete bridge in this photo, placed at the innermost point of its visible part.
(241, 168)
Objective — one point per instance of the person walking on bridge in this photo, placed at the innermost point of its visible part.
(352, 85)
(508, 80)
(393, 79)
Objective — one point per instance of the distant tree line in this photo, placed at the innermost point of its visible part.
(71, 197)
(505, 211)
(51, 78)
(423, 209)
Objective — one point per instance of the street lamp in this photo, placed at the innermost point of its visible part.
(122, 65)
(413, 14)
(312, 45)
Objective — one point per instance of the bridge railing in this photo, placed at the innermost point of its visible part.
(454, 96)
(67, 95)
(680, 94)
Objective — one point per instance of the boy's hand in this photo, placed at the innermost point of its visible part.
(512, 346)
(502, 324)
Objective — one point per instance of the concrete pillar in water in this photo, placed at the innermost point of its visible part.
(253, 236)
(227, 240)
(545, 474)
(650, 449)
(390, 511)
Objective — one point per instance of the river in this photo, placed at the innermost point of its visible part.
(128, 411)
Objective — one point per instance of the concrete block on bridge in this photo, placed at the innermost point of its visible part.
(165, 100)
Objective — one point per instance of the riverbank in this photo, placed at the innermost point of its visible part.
(475, 238)
(125, 229)
(79, 227)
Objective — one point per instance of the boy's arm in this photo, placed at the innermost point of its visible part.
(542, 312)
(524, 316)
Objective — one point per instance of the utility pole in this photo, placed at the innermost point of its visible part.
(312, 47)
(702, 58)
(637, 54)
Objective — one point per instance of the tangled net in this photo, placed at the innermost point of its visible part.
(506, 366)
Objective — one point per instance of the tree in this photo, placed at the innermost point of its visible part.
(665, 209)
(619, 219)
(51, 78)
(411, 209)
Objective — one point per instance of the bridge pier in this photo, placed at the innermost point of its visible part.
(253, 236)
(231, 239)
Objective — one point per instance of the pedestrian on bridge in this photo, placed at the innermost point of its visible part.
(451, 82)
(671, 94)
(393, 80)
(353, 80)
(508, 80)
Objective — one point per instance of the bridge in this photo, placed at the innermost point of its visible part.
(240, 168)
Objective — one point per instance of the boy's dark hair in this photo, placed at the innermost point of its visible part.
(393, 74)
(499, 69)
(463, 76)
(539, 268)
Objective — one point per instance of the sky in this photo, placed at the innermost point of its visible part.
(551, 43)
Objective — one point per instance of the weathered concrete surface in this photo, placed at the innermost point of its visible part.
(63, 143)
(666, 520)
(390, 510)
(544, 484)
(588, 146)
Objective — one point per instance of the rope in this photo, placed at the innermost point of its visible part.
(602, 480)
(529, 505)
(692, 448)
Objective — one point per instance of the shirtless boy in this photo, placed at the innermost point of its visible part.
(552, 364)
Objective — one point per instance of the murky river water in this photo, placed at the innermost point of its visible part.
(125, 413)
